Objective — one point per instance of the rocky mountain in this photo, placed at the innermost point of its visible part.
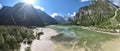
(68, 19)
(98, 12)
(48, 20)
(59, 19)
(25, 15)
(5, 13)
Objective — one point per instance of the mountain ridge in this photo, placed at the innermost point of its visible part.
(95, 14)
(25, 15)
(60, 19)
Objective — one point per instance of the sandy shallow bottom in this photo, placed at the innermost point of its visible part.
(44, 44)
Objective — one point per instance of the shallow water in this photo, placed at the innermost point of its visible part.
(44, 44)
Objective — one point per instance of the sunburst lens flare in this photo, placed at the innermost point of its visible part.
(29, 1)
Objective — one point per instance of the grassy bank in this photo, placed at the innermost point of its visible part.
(85, 38)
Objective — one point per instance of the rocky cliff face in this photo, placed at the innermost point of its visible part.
(96, 13)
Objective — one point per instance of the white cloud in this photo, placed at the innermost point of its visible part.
(74, 13)
(38, 7)
(54, 14)
(116, 2)
(84, 0)
(68, 14)
(0, 5)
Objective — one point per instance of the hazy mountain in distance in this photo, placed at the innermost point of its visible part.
(68, 19)
(46, 18)
(59, 19)
(25, 15)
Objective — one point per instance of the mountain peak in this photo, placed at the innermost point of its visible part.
(25, 15)
(22, 4)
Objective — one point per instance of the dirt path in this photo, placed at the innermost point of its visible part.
(92, 29)
(112, 45)
(116, 12)
(44, 44)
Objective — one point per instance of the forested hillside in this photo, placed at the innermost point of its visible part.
(96, 13)
(12, 36)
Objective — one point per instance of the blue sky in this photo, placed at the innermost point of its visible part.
(60, 7)
(56, 7)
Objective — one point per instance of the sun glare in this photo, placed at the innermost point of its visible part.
(29, 1)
